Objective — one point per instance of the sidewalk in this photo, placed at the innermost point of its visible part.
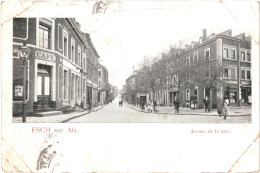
(233, 111)
(56, 118)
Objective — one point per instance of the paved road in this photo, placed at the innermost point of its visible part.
(112, 113)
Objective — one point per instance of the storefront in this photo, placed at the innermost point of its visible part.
(246, 95)
(44, 81)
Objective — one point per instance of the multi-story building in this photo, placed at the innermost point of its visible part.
(102, 83)
(218, 66)
(92, 72)
(62, 64)
(135, 88)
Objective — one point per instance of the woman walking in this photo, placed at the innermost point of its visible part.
(225, 110)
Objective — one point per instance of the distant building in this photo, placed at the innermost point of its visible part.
(102, 83)
(135, 91)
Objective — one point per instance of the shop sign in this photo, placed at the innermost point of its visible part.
(245, 82)
(45, 56)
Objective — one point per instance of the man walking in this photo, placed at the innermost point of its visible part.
(206, 103)
(177, 105)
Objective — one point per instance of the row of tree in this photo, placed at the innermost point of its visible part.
(173, 70)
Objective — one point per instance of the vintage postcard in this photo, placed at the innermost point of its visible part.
(130, 86)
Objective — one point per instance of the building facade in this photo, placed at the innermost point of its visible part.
(102, 84)
(135, 91)
(218, 66)
(62, 65)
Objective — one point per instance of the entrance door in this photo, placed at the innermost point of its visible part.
(44, 89)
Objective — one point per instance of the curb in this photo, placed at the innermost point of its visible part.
(64, 121)
(185, 114)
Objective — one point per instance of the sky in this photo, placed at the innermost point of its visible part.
(130, 30)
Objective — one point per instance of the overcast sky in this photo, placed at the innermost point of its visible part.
(123, 36)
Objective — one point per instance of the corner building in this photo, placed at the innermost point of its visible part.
(60, 57)
(234, 55)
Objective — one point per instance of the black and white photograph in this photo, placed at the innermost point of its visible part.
(85, 69)
(130, 86)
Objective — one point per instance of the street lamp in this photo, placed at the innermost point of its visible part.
(23, 53)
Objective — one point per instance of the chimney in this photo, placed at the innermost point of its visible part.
(204, 34)
(78, 25)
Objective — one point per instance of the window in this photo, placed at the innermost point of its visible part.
(20, 27)
(233, 97)
(195, 58)
(225, 53)
(226, 73)
(65, 43)
(207, 55)
(230, 72)
(248, 56)
(79, 87)
(65, 84)
(79, 57)
(187, 94)
(72, 50)
(243, 58)
(248, 74)
(187, 61)
(233, 73)
(84, 86)
(44, 36)
(233, 54)
(72, 87)
(84, 61)
(243, 74)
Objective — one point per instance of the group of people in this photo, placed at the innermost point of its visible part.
(223, 112)
(152, 106)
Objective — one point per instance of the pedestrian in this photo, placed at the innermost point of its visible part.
(225, 110)
(206, 103)
(122, 103)
(177, 105)
(143, 103)
(154, 106)
(90, 105)
(150, 109)
(119, 103)
(175, 108)
(226, 100)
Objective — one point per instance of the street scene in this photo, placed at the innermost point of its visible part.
(60, 68)
(127, 113)
(130, 86)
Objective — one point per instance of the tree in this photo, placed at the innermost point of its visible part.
(150, 73)
(210, 75)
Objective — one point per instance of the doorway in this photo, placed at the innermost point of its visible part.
(44, 86)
